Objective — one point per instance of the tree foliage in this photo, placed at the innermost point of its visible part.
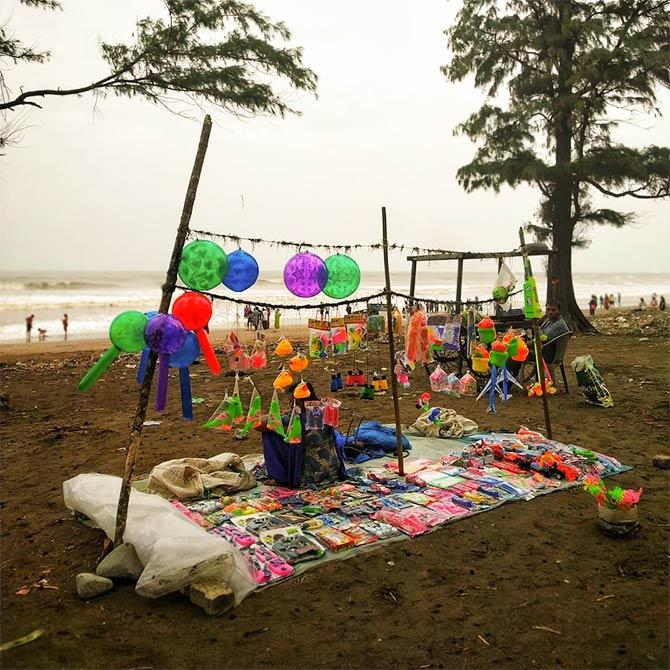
(219, 52)
(559, 77)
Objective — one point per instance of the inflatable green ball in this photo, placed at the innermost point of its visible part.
(203, 265)
(344, 276)
(127, 331)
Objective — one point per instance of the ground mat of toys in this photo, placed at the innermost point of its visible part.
(279, 532)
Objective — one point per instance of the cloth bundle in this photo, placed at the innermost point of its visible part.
(187, 478)
(443, 422)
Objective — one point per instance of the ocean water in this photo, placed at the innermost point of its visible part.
(93, 299)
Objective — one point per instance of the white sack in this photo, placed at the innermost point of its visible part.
(174, 551)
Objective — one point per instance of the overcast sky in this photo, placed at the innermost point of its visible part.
(102, 186)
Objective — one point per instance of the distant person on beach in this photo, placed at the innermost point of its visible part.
(65, 325)
(29, 326)
(247, 316)
(643, 304)
(607, 301)
(661, 304)
(654, 303)
(593, 304)
(618, 299)
(277, 319)
(602, 301)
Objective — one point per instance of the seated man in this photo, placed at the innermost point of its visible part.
(552, 327)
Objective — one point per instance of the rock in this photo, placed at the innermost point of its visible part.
(661, 461)
(90, 585)
(121, 563)
(213, 595)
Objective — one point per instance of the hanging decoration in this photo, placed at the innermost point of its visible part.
(274, 421)
(294, 431)
(164, 334)
(253, 419)
(283, 380)
(203, 265)
(181, 359)
(344, 276)
(298, 363)
(144, 358)
(195, 311)
(283, 348)
(301, 391)
(258, 356)
(305, 274)
(319, 338)
(126, 333)
(242, 271)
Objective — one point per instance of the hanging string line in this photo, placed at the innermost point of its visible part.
(352, 301)
(346, 248)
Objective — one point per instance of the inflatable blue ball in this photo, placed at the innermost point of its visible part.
(187, 353)
(242, 271)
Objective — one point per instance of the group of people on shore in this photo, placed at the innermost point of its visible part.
(654, 303)
(259, 319)
(42, 332)
(607, 301)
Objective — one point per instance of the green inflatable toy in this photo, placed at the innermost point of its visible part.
(127, 334)
(344, 276)
(203, 265)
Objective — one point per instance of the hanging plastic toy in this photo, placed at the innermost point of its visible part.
(417, 338)
(182, 358)
(298, 363)
(305, 274)
(127, 334)
(283, 348)
(331, 412)
(195, 311)
(294, 432)
(283, 380)
(498, 360)
(344, 276)
(274, 421)
(301, 391)
(253, 419)
(242, 271)
(314, 415)
(258, 356)
(487, 330)
(203, 265)
(220, 415)
(235, 408)
(164, 334)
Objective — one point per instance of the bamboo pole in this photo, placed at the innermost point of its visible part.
(168, 289)
(537, 347)
(389, 321)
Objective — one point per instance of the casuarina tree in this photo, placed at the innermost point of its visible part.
(559, 76)
(223, 53)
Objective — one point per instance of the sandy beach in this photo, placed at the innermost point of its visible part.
(479, 590)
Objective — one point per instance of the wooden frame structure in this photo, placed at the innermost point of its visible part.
(460, 257)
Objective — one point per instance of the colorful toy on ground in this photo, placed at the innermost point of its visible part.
(127, 334)
(203, 265)
(344, 276)
(182, 358)
(165, 334)
(423, 401)
(242, 271)
(614, 498)
(305, 275)
(438, 379)
(549, 388)
(194, 310)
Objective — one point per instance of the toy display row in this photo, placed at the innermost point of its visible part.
(337, 336)
(177, 338)
(279, 527)
(318, 413)
(204, 265)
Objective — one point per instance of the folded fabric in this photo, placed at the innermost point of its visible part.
(186, 478)
(443, 422)
(370, 440)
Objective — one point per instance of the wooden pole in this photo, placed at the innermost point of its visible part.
(412, 283)
(394, 381)
(459, 285)
(537, 347)
(168, 289)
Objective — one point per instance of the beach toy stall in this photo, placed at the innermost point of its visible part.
(254, 522)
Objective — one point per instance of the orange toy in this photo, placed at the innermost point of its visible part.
(283, 348)
(301, 391)
(417, 338)
(283, 380)
(298, 363)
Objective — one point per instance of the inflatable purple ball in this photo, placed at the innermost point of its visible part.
(305, 275)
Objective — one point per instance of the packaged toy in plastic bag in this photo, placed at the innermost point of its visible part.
(591, 382)
(438, 379)
(505, 283)
(468, 385)
(357, 331)
(338, 335)
(319, 338)
(453, 386)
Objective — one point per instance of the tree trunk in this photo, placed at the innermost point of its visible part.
(559, 277)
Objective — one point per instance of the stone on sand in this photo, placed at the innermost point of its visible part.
(90, 585)
(121, 563)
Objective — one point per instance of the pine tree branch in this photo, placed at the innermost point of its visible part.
(662, 192)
